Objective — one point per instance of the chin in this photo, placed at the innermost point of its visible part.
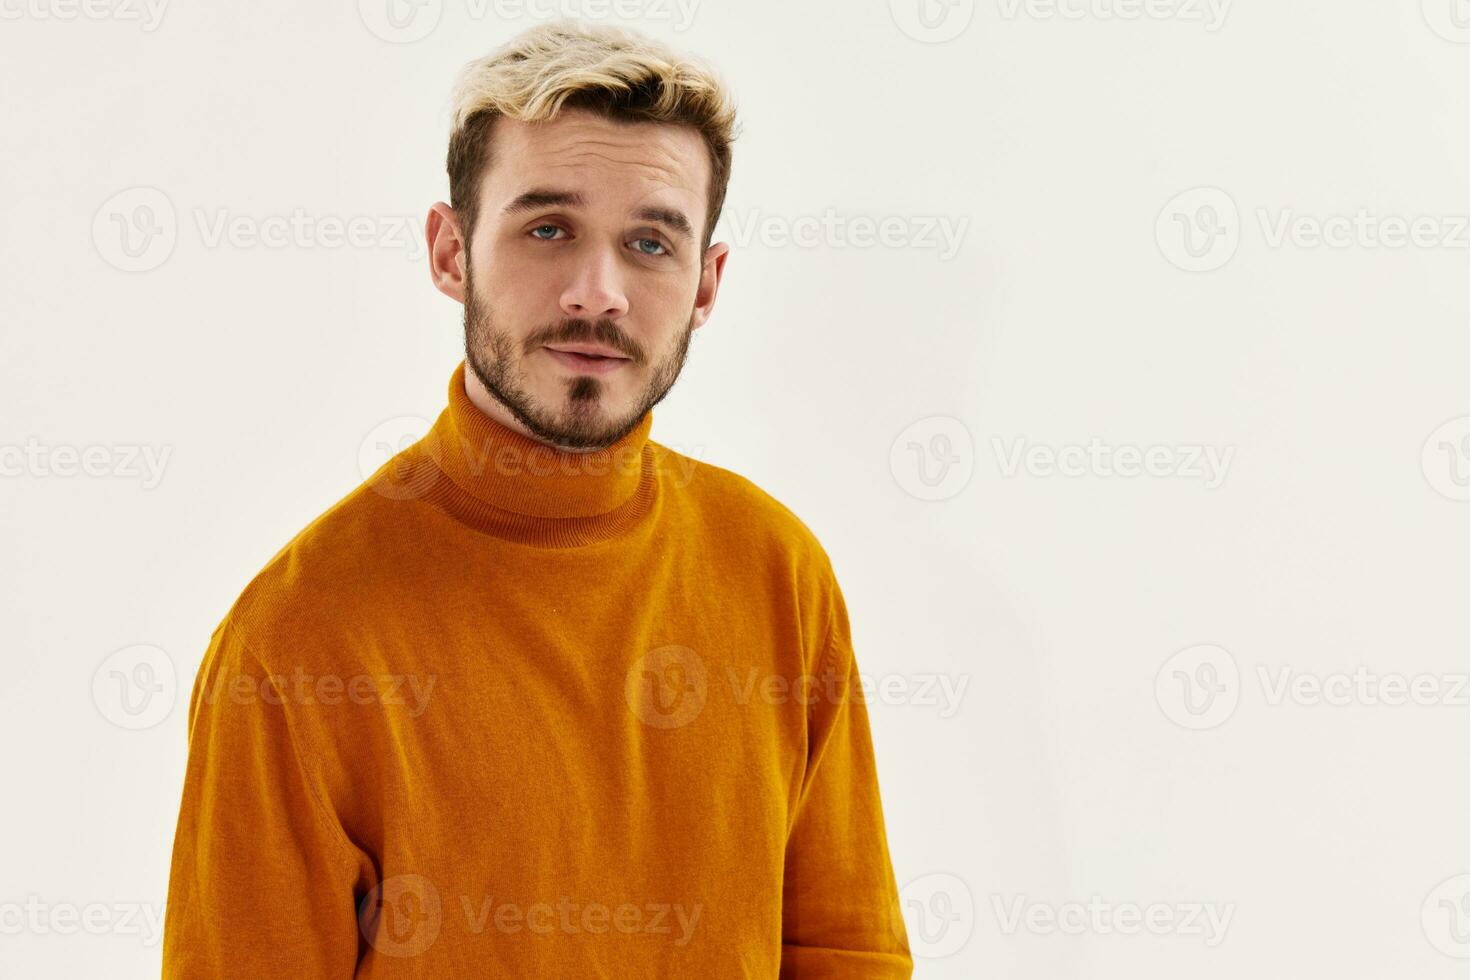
(557, 400)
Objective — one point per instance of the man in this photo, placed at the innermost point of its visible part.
(543, 698)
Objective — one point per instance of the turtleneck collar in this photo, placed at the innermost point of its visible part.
(499, 480)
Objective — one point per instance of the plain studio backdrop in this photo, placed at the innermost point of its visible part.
(1116, 351)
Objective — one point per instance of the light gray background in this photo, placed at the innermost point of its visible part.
(1078, 704)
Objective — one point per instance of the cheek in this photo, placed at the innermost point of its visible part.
(664, 298)
(517, 291)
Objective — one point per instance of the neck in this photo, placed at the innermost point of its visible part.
(486, 402)
(496, 477)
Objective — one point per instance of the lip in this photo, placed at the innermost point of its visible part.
(572, 360)
(597, 349)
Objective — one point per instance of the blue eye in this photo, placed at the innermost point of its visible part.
(553, 228)
(656, 243)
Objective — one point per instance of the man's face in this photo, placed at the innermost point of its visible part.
(587, 238)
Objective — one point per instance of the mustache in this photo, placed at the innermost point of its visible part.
(601, 331)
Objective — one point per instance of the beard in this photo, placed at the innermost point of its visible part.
(583, 419)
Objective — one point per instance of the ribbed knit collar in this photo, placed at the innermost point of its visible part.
(499, 480)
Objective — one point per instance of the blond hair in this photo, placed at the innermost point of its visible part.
(613, 71)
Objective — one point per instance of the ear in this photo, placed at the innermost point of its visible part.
(709, 283)
(447, 251)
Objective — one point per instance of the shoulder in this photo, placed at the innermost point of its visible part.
(752, 537)
(740, 512)
(327, 579)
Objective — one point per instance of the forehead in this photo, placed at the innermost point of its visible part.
(608, 161)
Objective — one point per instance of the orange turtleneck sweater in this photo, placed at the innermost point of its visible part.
(508, 711)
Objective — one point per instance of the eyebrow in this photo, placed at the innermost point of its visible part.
(538, 198)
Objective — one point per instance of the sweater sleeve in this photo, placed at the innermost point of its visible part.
(263, 879)
(840, 912)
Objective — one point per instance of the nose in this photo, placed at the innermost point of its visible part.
(596, 289)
